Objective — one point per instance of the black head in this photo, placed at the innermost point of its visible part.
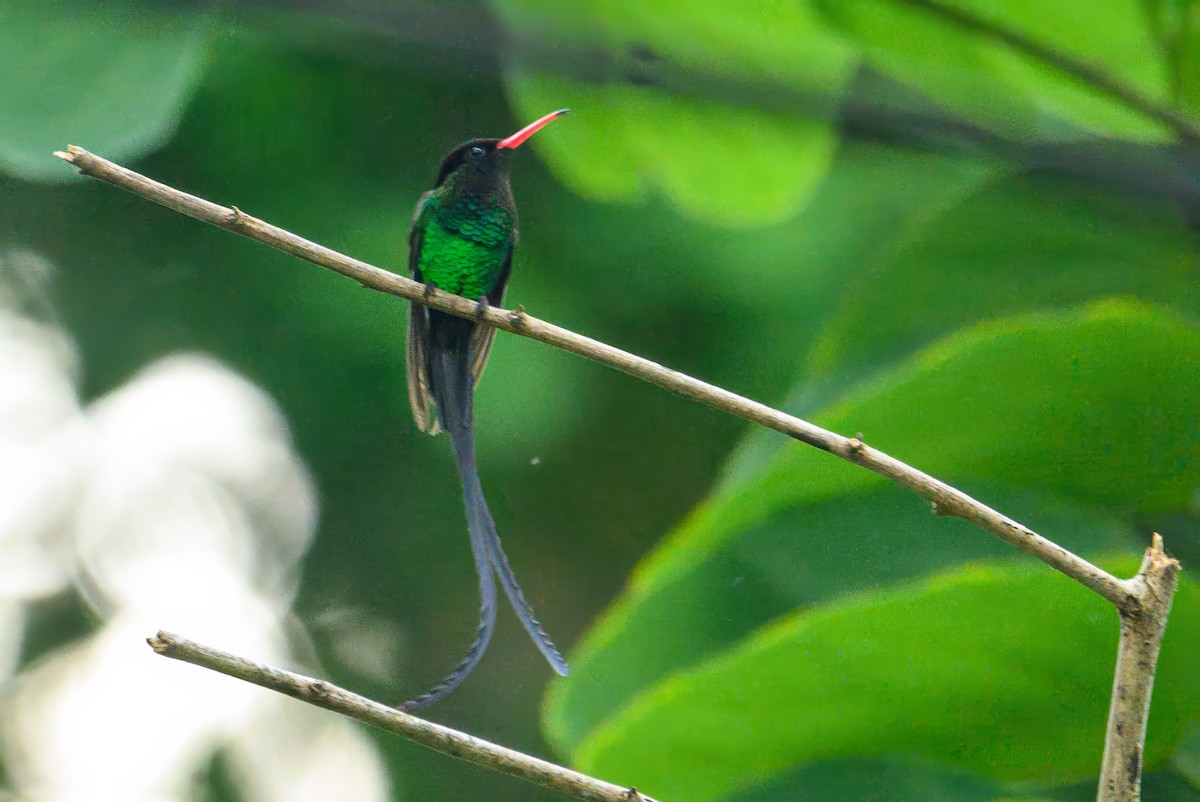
(487, 159)
(478, 158)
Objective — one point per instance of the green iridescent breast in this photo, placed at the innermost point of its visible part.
(464, 245)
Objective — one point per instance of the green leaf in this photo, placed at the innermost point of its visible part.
(1003, 671)
(716, 159)
(1181, 18)
(994, 84)
(1117, 36)
(1020, 243)
(890, 777)
(1096, 408)
(725, 166)
(853, 542)
(980, 251)
(112, 76)
(934, 56)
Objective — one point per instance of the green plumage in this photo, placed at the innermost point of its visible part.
(465, 244)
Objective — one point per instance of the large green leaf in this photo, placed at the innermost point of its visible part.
(716, 159)
(1117, 35)
(723, 165)
(1003, 671)
(861, 540)
(1020, 243)
(994, 84)
(1098, 406)
(1030, 242)
(112, 76)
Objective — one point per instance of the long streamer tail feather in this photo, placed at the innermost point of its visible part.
(451, 374)
(464, 446)
(487, 625)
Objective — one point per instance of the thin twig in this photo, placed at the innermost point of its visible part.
(441, 739)
(1081, 71)
(946, 500)
(1142, 626)
(1136, 599)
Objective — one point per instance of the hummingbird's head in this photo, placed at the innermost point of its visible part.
(483, 161)
(477, 160)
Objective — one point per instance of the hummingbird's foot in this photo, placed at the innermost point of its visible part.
(430, 289)
(482, 304)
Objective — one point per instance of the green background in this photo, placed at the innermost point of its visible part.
(858, 211)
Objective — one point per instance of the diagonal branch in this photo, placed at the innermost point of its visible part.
(1143, 601)
(946, 500)
(442, 739)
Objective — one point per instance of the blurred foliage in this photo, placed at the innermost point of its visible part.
(861, 211)
(991, 83)
(723, 162)
(140, 64)
(861, 676)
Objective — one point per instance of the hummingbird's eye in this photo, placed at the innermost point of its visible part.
(476, 152)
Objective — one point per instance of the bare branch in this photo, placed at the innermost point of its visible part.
(1143, 622)
(946, 499)
(1089, 74)
(441, 739)
(1143, 601)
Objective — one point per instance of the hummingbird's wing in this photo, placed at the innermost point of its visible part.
(481, 338)
(420, 393)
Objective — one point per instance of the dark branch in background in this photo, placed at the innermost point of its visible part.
(435, 736)
(1135, 599)
(875, 108)
(1083, 72)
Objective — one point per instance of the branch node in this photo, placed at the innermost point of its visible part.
(518, 316)
(1134, 771)
(320, 690)
(236, 216)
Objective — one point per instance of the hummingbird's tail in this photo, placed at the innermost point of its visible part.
(487, 625)
(453, 388)
(479, 521)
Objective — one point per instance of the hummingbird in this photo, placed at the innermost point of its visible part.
(461, 241)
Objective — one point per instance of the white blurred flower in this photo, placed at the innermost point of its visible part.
(39, 428)
(175, 502)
